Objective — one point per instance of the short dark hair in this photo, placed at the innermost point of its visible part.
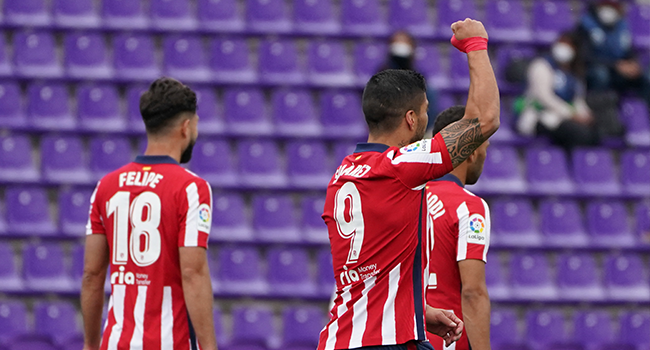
(448, 116)
(163, 102)
(389, 95)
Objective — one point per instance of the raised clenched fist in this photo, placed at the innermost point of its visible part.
(468, 28)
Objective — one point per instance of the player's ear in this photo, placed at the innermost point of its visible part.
(186, 127)
(411, 119)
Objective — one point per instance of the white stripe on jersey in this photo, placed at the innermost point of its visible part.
(89, 225)
(119, 293)
(360, 314)
(388, 331)
(463, 230)
(192, 218)
(415, 326)
(488, 229)
(418, 157)
(110, 305)
(138, 318)
(340, 310)
(167, 321)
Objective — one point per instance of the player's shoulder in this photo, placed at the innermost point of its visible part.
(473, 199)
(187, 177)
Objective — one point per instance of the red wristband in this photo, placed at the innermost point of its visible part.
(474, 43)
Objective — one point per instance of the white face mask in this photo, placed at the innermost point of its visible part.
(608, 15)
(401, 49)
(563, 53)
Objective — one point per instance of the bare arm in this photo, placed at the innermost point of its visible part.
(482, 111)
(475, 302)
(92, 289)
(197, 288)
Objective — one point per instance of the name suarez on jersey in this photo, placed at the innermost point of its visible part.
(351, 170)
(139, 178)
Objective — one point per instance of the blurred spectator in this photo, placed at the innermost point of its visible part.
(606, 43)
(554, 104)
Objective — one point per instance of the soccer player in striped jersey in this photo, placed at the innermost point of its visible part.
(461, 222)
(375, 208)
(150, 221)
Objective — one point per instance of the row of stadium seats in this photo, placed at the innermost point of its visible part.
(258, 326)
(506, 20)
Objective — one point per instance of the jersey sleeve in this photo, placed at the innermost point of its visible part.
(95, 224)
(421, 161)
(196, 215)
(473, 230)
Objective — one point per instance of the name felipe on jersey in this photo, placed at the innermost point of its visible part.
(358, 171)
(138, 178)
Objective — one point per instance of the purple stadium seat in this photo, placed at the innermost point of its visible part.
(10, 280)
(328, 64)
(124, 14)
(551, 17)
(56, 319)
(315, 17)
(506, 20)
(5, 65)
(213, 161)
(342, 150)
(608, 225)
(562, 224)
(450, 11)
(593, 170)
(75, 14)
(108, 154)
(530, 277)
(508, 346)
(369, 57)
(44, 268)
(240, 271)
(634, 327)
(541, 324)
(638, 17)
(547, 171)
(267, 16)
(230, 220)
(326, 281)
(63, 160)
(74, 343)
(48, 106)
(274, 219)
(135, 57)
(16, 162)
(220, 16)
(294, 113)
(495, 280)
(230, 61)
(578, 278)
(219, 331)
(135, 122)
(13, 320)
(245, 112)
(252, 325)
(427, 62)
(412, 16)
(341, 114)
(172, 15)
(11, 107)
(505, 56)
(278, 62)
(636, 117)
(185, 58)
(86, 56)
(593, 327)
(28, 212)
(73, 211)
(503, 327)
(514, 224)
(98, 108)
(502, 172)
(260, 164)
(626, 277)
(77, 267)
(642, 215)
(209, 111)
(313, 227)
(308, 164)
(302, 324)
(32, 342)
(26, 13)
(363, 17)
(35, 55)
(459, 70)
(635, 167)
(289, 274)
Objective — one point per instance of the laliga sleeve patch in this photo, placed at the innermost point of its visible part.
(205, 218)
(477, 229)
(422, 146)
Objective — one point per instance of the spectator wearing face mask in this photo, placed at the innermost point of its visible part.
(554, 104)
(606, 43)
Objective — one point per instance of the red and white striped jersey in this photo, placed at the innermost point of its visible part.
(462, 231)
(374, 215)
(147, 210)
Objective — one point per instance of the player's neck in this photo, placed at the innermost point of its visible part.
(157, 148)
(393, 140)
(461, 173)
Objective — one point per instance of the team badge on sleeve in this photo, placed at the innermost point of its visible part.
(418, 146)
(205, 218)
(476, 229)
